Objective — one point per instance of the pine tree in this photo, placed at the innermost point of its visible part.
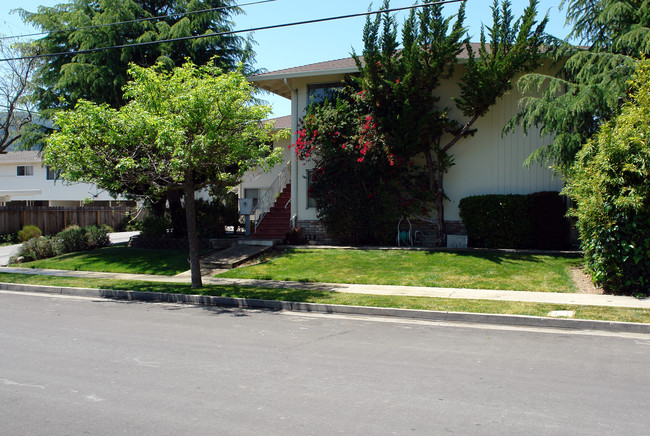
(592, 83)
(402, 85)
(100, 76)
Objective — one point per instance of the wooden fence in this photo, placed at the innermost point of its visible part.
(52, 220)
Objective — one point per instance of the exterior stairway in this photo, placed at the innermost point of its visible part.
(277, 221)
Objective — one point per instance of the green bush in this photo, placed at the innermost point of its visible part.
(73, 238)
(154, 226)
(549, 221)
(9, 238)
(498, 221)
(97, 236)
(41, 247)
(516, 221)
(29, 232)
(609, 185)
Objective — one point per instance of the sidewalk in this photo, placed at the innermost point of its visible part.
(477, 294)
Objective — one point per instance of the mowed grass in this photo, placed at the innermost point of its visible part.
(118, 259)
(339, 298)
(473, 270)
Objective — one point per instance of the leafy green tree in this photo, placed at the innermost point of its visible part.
(181, 130)
(99, 76)
(609, 185)
(592, 83)
(15, 90)
(402, 85)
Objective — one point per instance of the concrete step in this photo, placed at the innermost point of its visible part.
(233, 256)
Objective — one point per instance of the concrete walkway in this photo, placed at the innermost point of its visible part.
(477, 294)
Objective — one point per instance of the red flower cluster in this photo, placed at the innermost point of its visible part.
(304, 146)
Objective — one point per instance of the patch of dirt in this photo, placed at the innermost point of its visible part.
(583, 282)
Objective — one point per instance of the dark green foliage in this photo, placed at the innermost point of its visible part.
(100, 76)
(591, 84)
(609, 184)
(8, 238)
(498, 221)
(403, 85)
(534, 221)
(154, 226)
(551, 226)
(29, 232)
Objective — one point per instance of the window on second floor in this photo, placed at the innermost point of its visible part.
(24, 170)
(51, 174)
(321, 92)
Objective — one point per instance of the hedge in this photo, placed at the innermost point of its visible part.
(534, 221)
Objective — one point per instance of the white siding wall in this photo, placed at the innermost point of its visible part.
(486, 163)
(51, 190)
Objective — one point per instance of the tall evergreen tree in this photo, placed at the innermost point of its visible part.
(592, 84)
(99, 76)
(403, 85)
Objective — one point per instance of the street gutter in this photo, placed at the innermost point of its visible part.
(428, 315)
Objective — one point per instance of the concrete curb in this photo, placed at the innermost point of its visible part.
(465, 317)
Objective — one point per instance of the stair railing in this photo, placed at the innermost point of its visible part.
(267, 200)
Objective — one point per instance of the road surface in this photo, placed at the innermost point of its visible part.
(83, 366)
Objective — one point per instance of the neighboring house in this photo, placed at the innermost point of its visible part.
(486, 163)
(24, 181)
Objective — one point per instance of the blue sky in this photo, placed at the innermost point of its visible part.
(300, 45)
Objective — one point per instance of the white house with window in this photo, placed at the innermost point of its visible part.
(24, 181)
(487, 163)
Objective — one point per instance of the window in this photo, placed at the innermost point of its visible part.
(319, 93)
(24, 170)
(311, 201)
(51, 174)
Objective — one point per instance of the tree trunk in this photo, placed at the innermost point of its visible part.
(436, 173)
(192, 237)
(176, 212)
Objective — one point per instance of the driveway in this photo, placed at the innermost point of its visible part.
(6, 252)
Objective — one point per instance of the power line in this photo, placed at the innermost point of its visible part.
(230, 32)
(179, 14)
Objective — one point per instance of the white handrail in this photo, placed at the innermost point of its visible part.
(266, 201)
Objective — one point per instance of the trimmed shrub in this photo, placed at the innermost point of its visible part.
(38, 248)
(498, 221)
(516, 221)
(549, 220)
(29, 232)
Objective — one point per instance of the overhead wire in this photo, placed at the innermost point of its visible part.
(138, 20)
(229, 32)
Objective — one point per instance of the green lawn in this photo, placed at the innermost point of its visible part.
(474, 270)
(119, 259)
(324, 297)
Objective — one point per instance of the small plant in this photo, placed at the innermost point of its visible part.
(29, 232)
(41, 247)
(296, 237)
(8, 239)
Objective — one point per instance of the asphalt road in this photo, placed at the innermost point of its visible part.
(82, 366)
